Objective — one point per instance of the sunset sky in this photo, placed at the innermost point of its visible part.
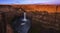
(30, 2)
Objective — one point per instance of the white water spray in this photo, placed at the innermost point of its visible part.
(24, 19)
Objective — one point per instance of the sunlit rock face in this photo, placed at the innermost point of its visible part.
(28, 8)
(34, 7)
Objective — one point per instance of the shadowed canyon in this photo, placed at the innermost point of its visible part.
(45, 18)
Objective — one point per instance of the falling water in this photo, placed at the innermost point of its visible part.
(22, 24)
(24, 19)
(24, 15)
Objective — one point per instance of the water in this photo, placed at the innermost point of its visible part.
(24, 18)
(22, 24)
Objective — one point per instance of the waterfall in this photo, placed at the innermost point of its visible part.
(24, 18)
(22, 24)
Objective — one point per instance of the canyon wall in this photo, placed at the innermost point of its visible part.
(46, 21)
(49, 8)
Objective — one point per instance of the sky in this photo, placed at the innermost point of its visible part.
(29, 1)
